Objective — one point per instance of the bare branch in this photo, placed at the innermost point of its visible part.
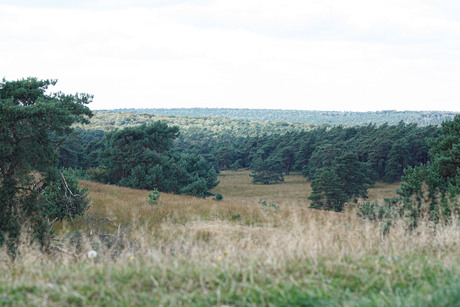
(68, 189)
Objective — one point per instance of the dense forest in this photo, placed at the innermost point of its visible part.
(346, 118)
(271, 150)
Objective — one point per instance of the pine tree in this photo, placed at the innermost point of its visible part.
(141, 157)
(33, 125)
(346, 179)
(328, 191)
(436, 184)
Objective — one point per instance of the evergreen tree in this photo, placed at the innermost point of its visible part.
(267, 171)
(130, 152)
(346, 179)
(328, 191)
(141, 157)
(434, 187)
(353, 174)
(397, 161)
(33, 125)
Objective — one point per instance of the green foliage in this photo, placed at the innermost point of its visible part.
(63, 198)
(195, 175)
(236, 216)
(218, 197)
(433, 189)
(98, 174)
(354, 175)
(274, 149)
(429, 192)
(346, 179)
(141, 157)
(397, 160)
(328, 191)
(386, 213)
(33, 126)
(154, 197)
(266, 207)
(267, 171)
(131, 151)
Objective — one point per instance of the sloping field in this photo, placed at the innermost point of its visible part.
(195, 252)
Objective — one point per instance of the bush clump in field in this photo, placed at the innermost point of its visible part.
(236, 216)
(218, 196)
(266, 207)
(154, 197)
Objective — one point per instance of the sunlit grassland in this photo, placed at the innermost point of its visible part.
(190, 251)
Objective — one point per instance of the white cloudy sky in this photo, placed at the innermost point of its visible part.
(360, 55)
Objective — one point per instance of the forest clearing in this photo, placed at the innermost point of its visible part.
(191, 251)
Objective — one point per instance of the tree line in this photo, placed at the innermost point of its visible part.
(381, 152)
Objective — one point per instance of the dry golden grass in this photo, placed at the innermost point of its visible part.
(130, 206)
(237, 186)
(205, 219)
(179, 216)
(185, 250)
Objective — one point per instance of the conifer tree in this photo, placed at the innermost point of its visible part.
(33, 193)
(328, 191)
(141, 157)
(346, 179)
(436, 182)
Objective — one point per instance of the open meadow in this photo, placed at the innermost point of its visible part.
(237, 252)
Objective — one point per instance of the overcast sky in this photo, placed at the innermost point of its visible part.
(358, 55)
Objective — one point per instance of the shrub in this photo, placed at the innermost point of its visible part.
(98, 174)
(266, 207)
(218, 196)
(236, 216)
(154, 197)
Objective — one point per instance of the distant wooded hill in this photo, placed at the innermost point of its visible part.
(422, 118)
(191, 125)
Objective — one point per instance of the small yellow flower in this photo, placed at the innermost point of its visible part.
(250, 246)
(219, 258)
(225, 253)
(131, 258)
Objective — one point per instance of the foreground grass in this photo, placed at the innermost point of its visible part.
(189, 251)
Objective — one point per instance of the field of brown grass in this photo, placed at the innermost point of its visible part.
(195, 252)
(124, 205)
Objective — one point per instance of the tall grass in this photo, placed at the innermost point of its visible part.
(189, 251)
